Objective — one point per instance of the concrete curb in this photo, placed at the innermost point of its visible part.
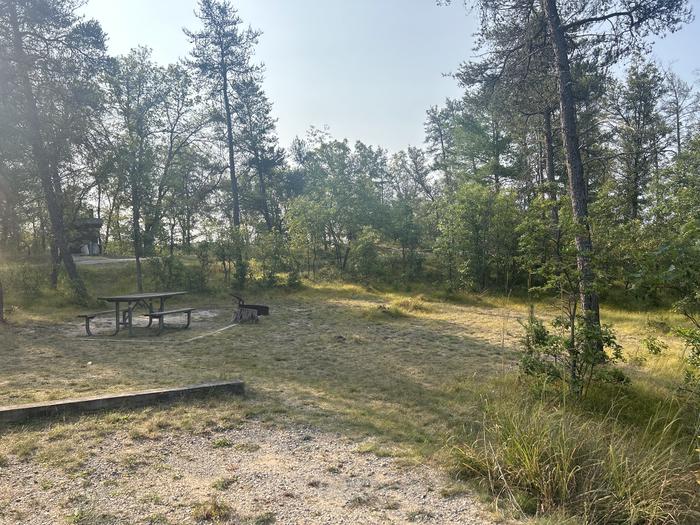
(13, 414)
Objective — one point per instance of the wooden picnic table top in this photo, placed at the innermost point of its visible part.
(140, 296)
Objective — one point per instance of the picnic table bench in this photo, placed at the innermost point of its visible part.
(124, 316)
(90, 317)
(160, 315)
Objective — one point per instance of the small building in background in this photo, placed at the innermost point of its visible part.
(85, 236)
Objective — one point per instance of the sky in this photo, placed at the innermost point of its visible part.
(366, 69)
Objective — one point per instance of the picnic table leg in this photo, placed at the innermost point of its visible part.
(149, 304)
(161, 320)
(116, 318)
(87, 326)
(130, 320)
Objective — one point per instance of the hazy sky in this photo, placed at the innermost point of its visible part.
(368, 69)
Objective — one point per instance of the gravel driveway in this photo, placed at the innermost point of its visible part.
(254, 474)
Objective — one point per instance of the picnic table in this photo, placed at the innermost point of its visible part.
(144, 300)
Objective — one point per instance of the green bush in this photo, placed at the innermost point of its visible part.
(364, 254)
(26, 280)
(571, 353)
(654, 345)
(271, 252)
(170, 273)
(294, 279)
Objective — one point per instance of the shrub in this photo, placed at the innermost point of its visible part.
(691, 339)
(26, 280)
(654, 345)
(571, 353)
(272, 256)
(689, 307)
(231, 249)
(294, 279)
(170, 273)
(364, 254)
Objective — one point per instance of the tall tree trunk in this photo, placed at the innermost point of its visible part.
(443, 152)
(231, 158)
(55, 265)
(172, 237)
(549, 168)
(240, 269)
(263, 192)
(574, 167)
(496, 155)
(678, 130)
(114, 206)
(2, 304)
(41, 159)
(136, 224)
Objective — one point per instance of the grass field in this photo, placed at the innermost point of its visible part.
(406, 373)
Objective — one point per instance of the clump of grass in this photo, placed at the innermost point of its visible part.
(266, 518)
(62, 455)
(222, 443)
(411, 304)
(212, 510)
(399, 308)
(224, 483)
(452, 490)
(24, 448)
(383, 311)
(551, 459)
(376, 449)
(152, 498)
(132, 461)
(419, 515)
(3, 461)
(361, 500)
(157, 519)
(90, 516)
(391, 504)
(247, 447)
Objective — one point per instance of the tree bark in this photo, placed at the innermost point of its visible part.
(574, 167)
(678, 130)
(55, 265)
(263, 191)
(41, 158)
(2, 304)
(231, 158)
(136, 225)
(549, 168)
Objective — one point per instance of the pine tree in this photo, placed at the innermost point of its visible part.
(221, 53)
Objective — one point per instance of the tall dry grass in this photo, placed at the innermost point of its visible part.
(548, 458)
